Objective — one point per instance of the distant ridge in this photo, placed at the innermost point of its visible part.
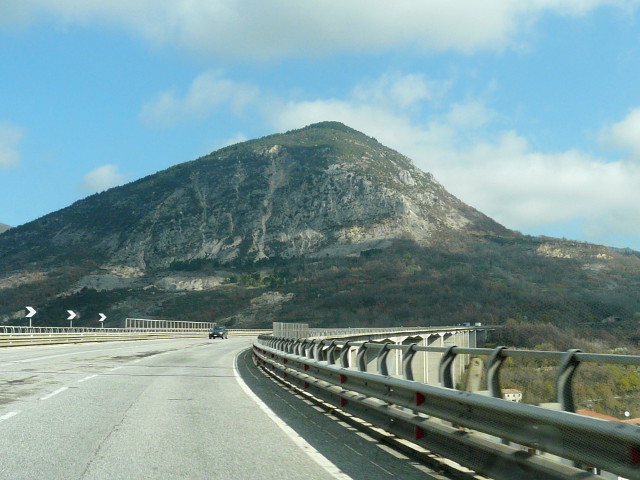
(4, 227)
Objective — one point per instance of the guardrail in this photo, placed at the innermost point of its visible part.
(12, 336)
(473, 429)
(333, 333)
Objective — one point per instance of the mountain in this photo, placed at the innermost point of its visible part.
(324, 189)
(297, 226)
(4, 228)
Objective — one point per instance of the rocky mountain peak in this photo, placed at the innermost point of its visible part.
(322, 190)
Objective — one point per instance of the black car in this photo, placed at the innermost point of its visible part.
(219, 331)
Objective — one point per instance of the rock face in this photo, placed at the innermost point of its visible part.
(4, 228)
(321, 190)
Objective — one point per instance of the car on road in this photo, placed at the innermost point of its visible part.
(218, 331)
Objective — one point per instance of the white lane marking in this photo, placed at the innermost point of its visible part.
(115, 368)
(60, 390)
(7, 416)
(87, 378)
(314, 454)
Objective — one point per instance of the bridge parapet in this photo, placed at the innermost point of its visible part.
(425, 362)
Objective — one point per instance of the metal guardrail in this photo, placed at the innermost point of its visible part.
(457, 424)
(333, 333)
(11, 336)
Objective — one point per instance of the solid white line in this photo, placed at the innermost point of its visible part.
(7, 416)
(60, 390)
(314, 454)
(87, 378)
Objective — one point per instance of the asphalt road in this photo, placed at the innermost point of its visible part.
(170, 409)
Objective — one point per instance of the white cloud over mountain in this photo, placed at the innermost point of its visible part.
(207, 93)
(624, 135)
(102, 178)
(10, 138)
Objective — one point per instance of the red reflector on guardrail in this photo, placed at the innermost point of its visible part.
(420, 398)
(306, 385)
(634, 455)
(306, 367)
(419, 433)
(343, 378)
(343, 401)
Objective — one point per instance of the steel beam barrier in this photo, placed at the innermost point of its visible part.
(611, 446)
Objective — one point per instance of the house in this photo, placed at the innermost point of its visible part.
(512, 394)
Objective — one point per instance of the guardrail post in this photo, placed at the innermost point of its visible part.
(314, 350)
(303, 348)
(383, 354)
(291, 345)
(446, 367)
(564, 381)
(330, 353)
(494, 363)
(408, 353)
(344, 354)
(361, 357)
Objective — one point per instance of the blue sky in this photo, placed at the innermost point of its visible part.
(527, 110)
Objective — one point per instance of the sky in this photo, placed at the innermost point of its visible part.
(528, 110)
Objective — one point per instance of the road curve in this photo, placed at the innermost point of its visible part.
(169, 409)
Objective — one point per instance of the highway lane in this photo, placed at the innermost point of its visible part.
(165, 409)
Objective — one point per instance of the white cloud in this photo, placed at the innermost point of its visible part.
(624, 135)
(396, 91)
(247, 29)
(237, 138)
(10, 138)
(208, 92)
(527, 190)
(102, 178)
(471, 114)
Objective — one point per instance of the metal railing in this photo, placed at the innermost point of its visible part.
(13, 336)
(297, 331)
(545, 443)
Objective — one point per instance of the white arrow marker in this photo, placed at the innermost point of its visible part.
(72, 314)
(103, 317)
(30, 313)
